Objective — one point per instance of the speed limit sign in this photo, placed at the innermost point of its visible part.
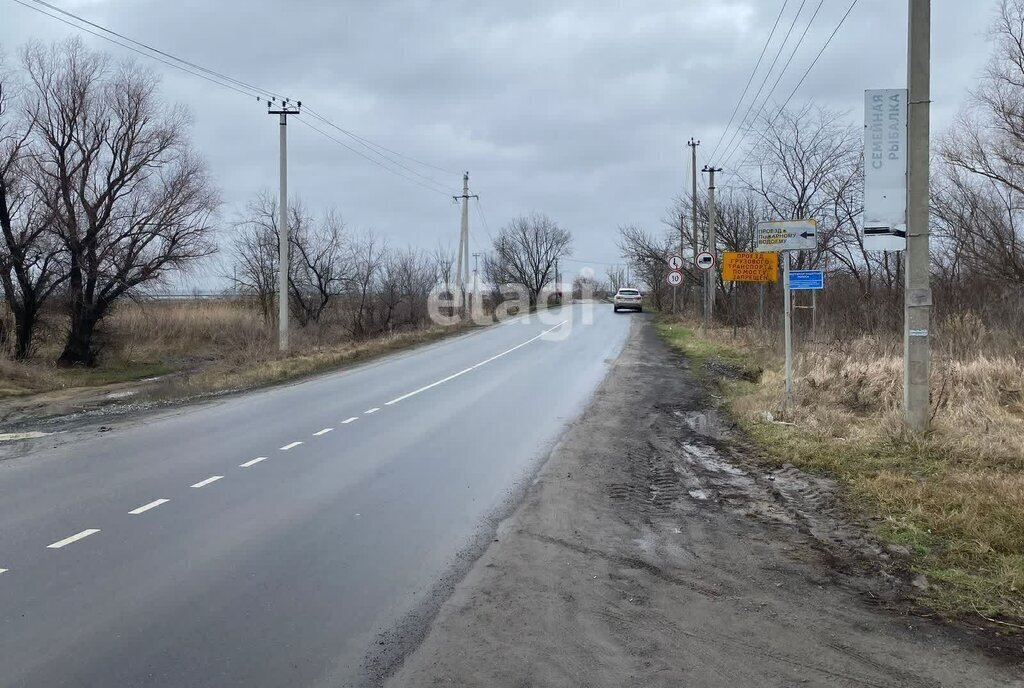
(675, 278)
(675, 262)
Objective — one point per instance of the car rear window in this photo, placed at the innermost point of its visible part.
(629, 292)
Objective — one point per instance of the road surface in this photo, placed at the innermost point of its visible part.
(267, 539)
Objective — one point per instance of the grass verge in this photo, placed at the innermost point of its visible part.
(954, 498)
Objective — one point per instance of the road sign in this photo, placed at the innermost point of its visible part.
(675, 262)
(788, 235)
(705, 260)
(885, 169)
(750, 267)
(675, 278)
(806, 279)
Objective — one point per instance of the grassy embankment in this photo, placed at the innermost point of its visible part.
(198, 347)
(954, 498)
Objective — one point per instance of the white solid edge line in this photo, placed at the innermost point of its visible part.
(373, 410)
(146, 507)
(253, 462)
(74, 538)
(211, 479)
(472, 367)
(349, 420)
(290, 446)
(322, 432)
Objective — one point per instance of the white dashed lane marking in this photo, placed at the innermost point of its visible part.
(211, 479)
(146, 507)
(322, 432)
(373, 410)
(3, 570)
(74, 538)
(290, 446)
(472, 367)
(253, 462)
(349, 420)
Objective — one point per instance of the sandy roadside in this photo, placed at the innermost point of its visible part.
(649, 554)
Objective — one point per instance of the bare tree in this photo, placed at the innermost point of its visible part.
(647, 255)
(525, 252)
(128, 198)
(254, 249)
(978, 196)
(31, 262)
(320, 264)
(368, 255)
(616, 278)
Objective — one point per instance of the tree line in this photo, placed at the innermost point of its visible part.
(807, 162)
(102, 196)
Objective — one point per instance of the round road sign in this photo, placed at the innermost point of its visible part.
(705, 260)
(675, 262)
(675, 278)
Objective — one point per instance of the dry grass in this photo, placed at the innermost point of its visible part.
(955, 497)
(200, 346)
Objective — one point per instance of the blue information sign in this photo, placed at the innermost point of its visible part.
(807, 279)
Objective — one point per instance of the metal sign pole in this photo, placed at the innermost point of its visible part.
(788, 322)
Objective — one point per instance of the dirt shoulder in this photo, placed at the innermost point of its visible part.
(651, 553)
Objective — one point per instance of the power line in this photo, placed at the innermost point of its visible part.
(247, 93)
(778, 79)
(211, 72)
(212, 76)
(802, 78)
(368, 142)
(359, 139)
(750, 79)
(341, 143)
(483, 220)
(767, 75)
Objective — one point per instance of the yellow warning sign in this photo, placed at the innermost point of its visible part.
(750, 267)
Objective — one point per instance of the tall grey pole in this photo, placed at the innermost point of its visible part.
(462, 267)
(712, 242)
(918, 297)
(464, 258)
(282, 229)
(282, 242)
(693, 143)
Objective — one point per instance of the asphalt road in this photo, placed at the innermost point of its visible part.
(300, 521)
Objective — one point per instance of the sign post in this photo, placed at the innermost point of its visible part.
(675, 263)
(784, 237)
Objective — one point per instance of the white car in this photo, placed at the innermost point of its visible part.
(628, 299)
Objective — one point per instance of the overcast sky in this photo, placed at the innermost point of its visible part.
(576, 108)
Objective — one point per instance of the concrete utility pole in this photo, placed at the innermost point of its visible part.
(693, 143)
(462, 266)
(282, 228)
(918, 295)
(712, 241)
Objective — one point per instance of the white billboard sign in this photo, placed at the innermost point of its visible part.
(885, 169)
(788, 235)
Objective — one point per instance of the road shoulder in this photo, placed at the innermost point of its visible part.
(648, 553)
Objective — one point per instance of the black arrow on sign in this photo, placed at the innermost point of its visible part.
(807, 235)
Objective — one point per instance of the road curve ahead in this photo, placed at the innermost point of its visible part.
(266, 539)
